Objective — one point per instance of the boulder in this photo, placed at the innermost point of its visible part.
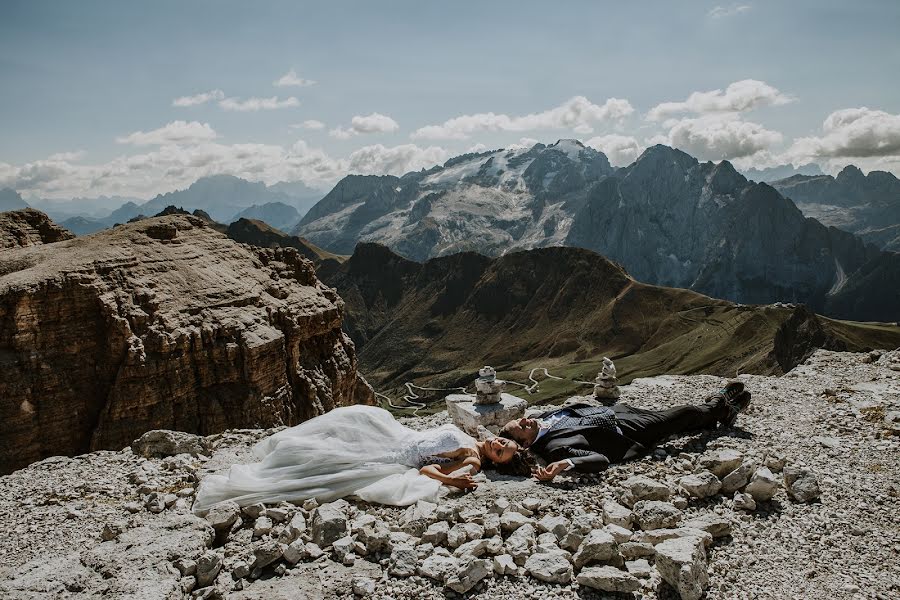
(616, 514)
(801, 484)
(362, 586)
(162, 442)
(467, 573)
(712, 523)
(511, 520)
(654, 514)
(721, 462)
(738, 478)
(403, 561)
(505, 565)
(763, 485)
(555, 524)
(208, 566)
(436, 533)
(328, 523)
(681, 563)
(640, 487)
(744, 501)
(598, 546)
(439, 565)
(701, 485)
(608, 579)
(552, 567)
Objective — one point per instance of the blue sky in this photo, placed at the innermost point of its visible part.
(89, 87)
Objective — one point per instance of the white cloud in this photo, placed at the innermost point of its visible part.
(201, 98)
(176, 132)
(67, 156)
(578, 114)
(365, 124)
(257, 104)
(525, 143)
(718, 137)
(309, 124)
(290, 79)
(853, 133)
(172, 166)
(397, 160)
(740, 96)
(622, 150)
(720, 12)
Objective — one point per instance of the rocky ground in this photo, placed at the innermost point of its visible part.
(118, 524)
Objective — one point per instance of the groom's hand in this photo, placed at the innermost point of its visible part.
(550, 471)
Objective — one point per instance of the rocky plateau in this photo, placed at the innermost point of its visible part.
(797, 501)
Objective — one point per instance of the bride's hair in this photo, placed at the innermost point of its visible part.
(521, 464)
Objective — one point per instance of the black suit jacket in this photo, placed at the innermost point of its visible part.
(591, 449)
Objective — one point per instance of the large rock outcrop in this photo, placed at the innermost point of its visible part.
(29, 227)
(162, 324)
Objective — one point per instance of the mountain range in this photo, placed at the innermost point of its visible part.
(867, 205)
(224, 197)
(667, 218)
(436, 323)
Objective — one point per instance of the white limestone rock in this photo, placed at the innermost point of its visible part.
(738, 478)
(744, 501)
(328, 523)
(640, 487)
(552, 567)
(801, 484)
(763, 485)
(616, 514)
(598, 546)
(681, 563)
(701, 485)
(608, 579)
(655, 514)
(468, 573)
(721, 462)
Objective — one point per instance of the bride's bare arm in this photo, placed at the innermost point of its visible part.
(442, 472)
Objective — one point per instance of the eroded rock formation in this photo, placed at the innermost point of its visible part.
(29, 227)
(162, 324)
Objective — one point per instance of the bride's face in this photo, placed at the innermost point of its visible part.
(500, 450)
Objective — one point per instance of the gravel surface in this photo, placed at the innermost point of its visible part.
(118, 525)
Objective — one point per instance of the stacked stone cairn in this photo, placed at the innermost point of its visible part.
(482, 414)
(487, 387)
(606, 385)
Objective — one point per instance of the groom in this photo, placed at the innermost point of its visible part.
(588, 438)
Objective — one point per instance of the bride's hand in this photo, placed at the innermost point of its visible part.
(463, 482)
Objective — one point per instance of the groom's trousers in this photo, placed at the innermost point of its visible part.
(648, 427)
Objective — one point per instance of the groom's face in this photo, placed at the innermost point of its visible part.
(523, 430)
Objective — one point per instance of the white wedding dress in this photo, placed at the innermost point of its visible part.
(357, 451)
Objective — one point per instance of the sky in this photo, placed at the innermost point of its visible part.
(139, 98)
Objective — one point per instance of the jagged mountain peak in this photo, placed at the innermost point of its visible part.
(850, 173)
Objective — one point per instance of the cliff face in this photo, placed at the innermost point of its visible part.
(163, 323)
(29, 227)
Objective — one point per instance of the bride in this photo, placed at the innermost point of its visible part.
(354, 450)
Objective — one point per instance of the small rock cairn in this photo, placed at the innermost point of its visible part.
(606, 385)
(487, 387)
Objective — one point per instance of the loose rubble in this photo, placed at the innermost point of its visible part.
(701, 517)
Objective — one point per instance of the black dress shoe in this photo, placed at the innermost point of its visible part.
(735, 407)
(732, 390)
